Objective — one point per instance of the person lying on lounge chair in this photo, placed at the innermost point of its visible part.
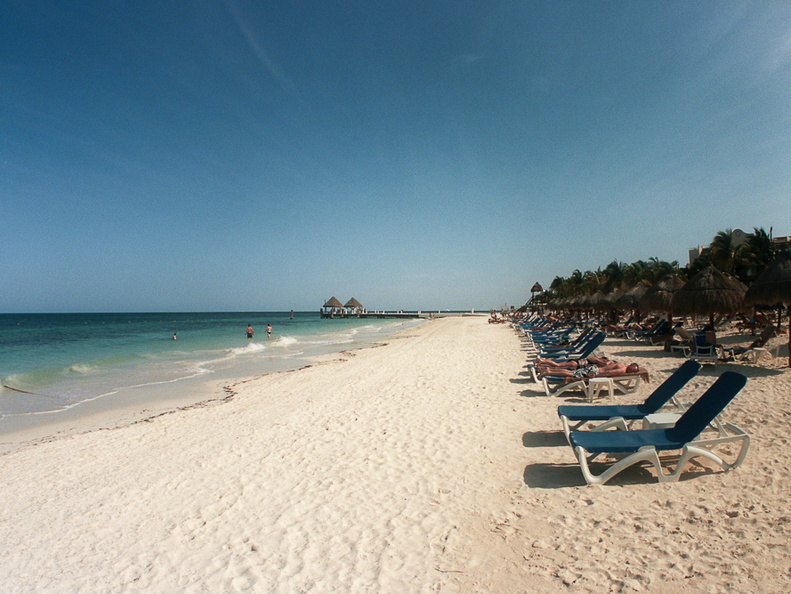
(736, 352)
(549, 364)
(611, 369)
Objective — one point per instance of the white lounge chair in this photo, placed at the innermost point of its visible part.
(622, 416)
(685, 436)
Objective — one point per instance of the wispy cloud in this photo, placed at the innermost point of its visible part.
(468, 58)
(780, 55)
(263, 56)
(464, 61)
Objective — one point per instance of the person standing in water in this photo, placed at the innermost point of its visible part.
(249, 331)
(269, 330)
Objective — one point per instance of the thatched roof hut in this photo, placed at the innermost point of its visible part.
(660, 296)
(611, 298)
(353, 304)
(597, 301)
(710, 291)
(773, 287)
(631, 298)
(584, 301)
(333, 302)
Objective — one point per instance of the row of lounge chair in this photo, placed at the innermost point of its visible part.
(695, 345)
(555, 344)
(638, 433)
(689, 430)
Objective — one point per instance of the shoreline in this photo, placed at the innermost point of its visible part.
(142, 403)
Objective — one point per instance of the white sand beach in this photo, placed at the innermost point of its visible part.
(429, 464)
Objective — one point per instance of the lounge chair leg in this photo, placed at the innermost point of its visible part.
(647, 453)
(692, 451)
(618, 423)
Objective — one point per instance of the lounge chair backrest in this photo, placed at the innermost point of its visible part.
(594, 343)
(700, 340)
(707, 407)
(670, 387)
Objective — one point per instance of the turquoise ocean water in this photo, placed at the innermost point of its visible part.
(53, 362)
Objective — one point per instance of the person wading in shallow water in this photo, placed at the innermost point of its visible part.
(249, 331)
(269, 330)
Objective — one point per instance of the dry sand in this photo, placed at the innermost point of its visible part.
(429, 464)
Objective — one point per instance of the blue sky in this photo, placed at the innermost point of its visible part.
(222, 155)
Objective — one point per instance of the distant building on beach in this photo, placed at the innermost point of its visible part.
(739, 237)
(331, 307)
(782, 243)
(354, 307)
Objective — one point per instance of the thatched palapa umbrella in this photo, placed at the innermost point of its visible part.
(597, 301)
(559, 303)
(631, 298)
(710, 291)
(611, 298)
(660, 296)
(583, 302)
(610, 301)
(773, 287)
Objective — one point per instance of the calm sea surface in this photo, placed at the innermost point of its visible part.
(52, 362)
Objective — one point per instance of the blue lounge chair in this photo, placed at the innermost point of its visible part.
(645, 445)
(703, 350)
(555, 338)
(618, 415)
(683, 343)
(753, 352)
(661, 327)
(582, 351)
(625, 383)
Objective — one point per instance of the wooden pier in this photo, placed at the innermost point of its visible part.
(375, 314)
(334, 309)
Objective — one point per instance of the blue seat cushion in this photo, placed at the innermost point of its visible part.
(600, 413)
(623, 441)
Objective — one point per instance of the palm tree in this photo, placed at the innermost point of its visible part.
(634, 273)
(759, 251)
(659, 268)
(559, 287)
(574, 283)
(727, 255)
(592, 281)
(614, 273)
